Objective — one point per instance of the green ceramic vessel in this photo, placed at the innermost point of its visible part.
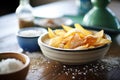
(101, 16)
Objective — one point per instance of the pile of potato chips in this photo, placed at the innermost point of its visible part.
(76, 38)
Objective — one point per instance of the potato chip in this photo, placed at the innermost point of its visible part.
(82, 47)
(90, 40)
(76, 38)
(67, 28)
(70, 33)
(74, 42)
(99, 34)
(59, 32)
(84, 31)
(68, 44)
(101, 41)
(51, 33)
(66, 39)
(55, 41)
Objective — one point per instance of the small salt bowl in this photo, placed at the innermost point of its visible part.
(27, 38)
(72, 56)
(14, 66)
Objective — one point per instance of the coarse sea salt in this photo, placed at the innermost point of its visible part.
(10, 65)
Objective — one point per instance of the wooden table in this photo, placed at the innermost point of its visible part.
(42, 68)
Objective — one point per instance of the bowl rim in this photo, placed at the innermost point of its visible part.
(43, 30)
(70, 50)
(26, 64)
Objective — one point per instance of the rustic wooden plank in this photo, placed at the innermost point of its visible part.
(44, 69)
(41, 67)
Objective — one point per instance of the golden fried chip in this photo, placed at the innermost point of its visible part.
(74, 42)
(82, 47)
(55, 41)
(51, 33)
(84, 31)
(101, 41)
(76, 38)
(99, 34)
(70, 33)
(59, 32)
(67, 28)
(90, 40)
(66, 39)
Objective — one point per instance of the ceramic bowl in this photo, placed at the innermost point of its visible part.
(18, 74)
(70, 56)
(27, 38)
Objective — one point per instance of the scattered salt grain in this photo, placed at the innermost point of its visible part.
(66, 73)
(73, 77)
(10, 65)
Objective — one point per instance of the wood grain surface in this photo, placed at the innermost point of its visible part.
(42, 68)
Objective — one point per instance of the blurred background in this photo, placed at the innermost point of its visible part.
(10, 6)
